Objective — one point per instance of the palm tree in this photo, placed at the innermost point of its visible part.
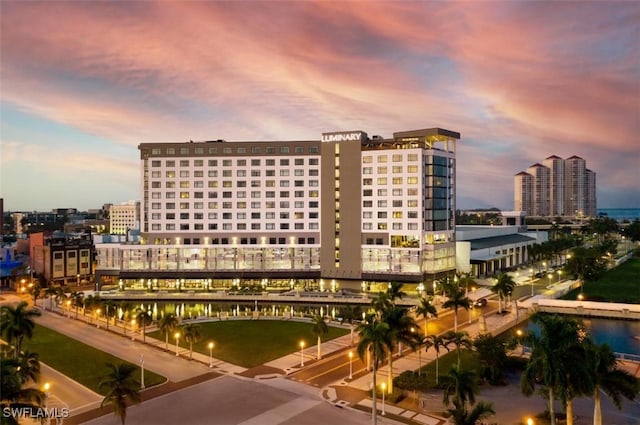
(437, 342)
(144, 318)
(459, 339)
(50, 292)
(492, 354)
(424, 309)
(167, 325)
(608, 378)
(29, 369)
(16, 323)
(400, 325)
(556, 361)
(13, 393)
(350, 314)
(191, 335)
(319, 329)
(78, 300)
(109, 311)
(460, 386)
(122, 388)
(461, 416)
(374, 339)
(394, 291)
(456, 298)
(503, 287)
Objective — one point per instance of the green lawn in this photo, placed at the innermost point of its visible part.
(449, 360)
(78, 361)
(250, 343)
(621, 284)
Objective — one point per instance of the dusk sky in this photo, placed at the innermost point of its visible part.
(83, 83)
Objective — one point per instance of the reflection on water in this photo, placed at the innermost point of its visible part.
(623, 336)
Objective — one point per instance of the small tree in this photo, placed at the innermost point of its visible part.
(192, 335)
(167, 325)
(144, 318)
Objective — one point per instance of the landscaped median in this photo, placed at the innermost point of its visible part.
(249, 343)
(80, 362)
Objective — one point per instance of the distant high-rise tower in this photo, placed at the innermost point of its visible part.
(557, 187)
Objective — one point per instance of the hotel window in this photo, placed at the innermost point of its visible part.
(313, 173)
(412, 214)
(298, 173)
(270, 226)
(155, 226)
(241, 194)
(198, 216)
(367, 159)
(199, 184)
(313, 215)
(396, 158)
(184, 216)
(213, 150)
(284, 183)
(255, 173)
(213, 173)
(413, 169)
(226, 151)
(397, 214)
(156, 163)
(367, 226)
(367, 204)
(171, 151)
(284, 226)
(270, 149)
(284, 173)
(184, 162)
(284, 194)
(184, 184)
(313, 204)
(412, 157)
(382, 192)
(284, 204)
(382, 158)
(198, 173)
(270, 194)
(382, 204)
(298, 161)
(255, 226)
(255, 162)
(397, 192)
(313, 226)
(198, 163)
(412, 203)
(198, 226)
(213, 195)
(213, 205)
(241, 183)
(242, 226)
(241, 162)
(255, 194)
(299, 226)
(184, 205)
(226, 163)
(366, 214)
(299, 149)
(284, 149)
(227, 194)
(271, 173)
(227, 226)
(213, 163)
(255, 216)
(313, 183)
(198, 195)
(313, 161)
(396, 169)
(270, 204)
(156, 195)
(213, 216)
(382, 226)
(412, 192)
(382, 180)
(412, 180)
(170, 206)
(184, 173)
(367, 192)
(170, 195)
(397, 180)
(284, 215)
(155, 185)
(170, 174)
(170, 226)
(213, 226)
(171, 163)
(367, 170)
(298, 183)
(227, 216)
(256, 205)
(367, 182)
(382, 170)
(241, 216)
(184, 195)
(242, 150)
(397, 226)
(156, 216)
(270, 215)
(382, 214)
(155, 174)
(397, 203)
(412, 226)
(156, 205)
(255, 149)
(170, 216)
(298, 193)
(184, 151)
(298, 204)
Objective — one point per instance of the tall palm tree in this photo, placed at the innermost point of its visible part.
(459, 339)
(424, 309)
(29, 369)
(109, 311)
(503, 287)
(167, 325)
(556, 362)
(374, 339)
(122, 388)
(460, 386)
(400, 325)
(16, 323)
(608, 378)
(144, 319)
(437, 342)
(319, 329)
(192, 335)
(456, 299)
(394, 291)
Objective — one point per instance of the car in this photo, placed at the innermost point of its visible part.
(480, 302)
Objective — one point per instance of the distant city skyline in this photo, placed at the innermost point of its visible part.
(83, 83)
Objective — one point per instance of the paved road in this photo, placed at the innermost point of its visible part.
(234, 401)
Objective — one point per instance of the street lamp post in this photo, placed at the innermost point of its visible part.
(45, 389)
(301, 353)
(142, 371)
(350, 365)
(384, 390)
(133, 329)
(98, 318)
(210, 355)
(177, 336)
(69, 309)
(531, 271)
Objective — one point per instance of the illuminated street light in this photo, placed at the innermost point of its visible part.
(210, 355)
(301, 354)
(133, 329)
(350, 365)
(384, 390)
(177, 337)
(98, 318)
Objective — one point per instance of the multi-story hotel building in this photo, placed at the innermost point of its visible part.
(557, 187)
(346, 208)
(124, 217)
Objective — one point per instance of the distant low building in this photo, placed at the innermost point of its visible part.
(62, 258)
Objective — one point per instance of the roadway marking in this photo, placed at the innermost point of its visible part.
(331, 370)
